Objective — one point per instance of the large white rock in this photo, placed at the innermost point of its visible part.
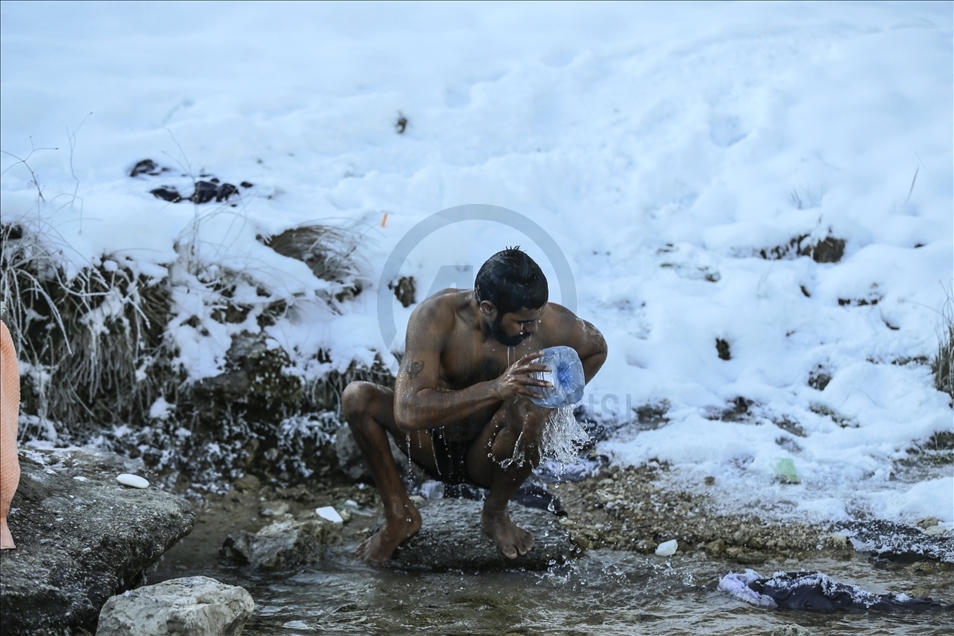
(197, 606)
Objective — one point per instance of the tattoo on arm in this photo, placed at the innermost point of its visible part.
(414, 368)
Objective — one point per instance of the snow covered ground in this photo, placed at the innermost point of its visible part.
(662, 147)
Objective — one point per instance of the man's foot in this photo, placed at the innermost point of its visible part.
(379, 547)
(512, 540)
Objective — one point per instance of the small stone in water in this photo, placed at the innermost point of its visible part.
(330, 514)
(132, 480)
(667, 548)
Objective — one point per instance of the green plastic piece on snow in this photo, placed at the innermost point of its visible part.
(784, 468)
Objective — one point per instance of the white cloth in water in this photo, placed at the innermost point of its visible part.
(738, 586)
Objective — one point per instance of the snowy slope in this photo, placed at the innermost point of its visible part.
(662, 147)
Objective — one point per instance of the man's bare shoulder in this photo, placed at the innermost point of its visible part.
(564, 327)
(438, 310)
(560, 319)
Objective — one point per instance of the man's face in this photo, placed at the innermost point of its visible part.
(512, 328)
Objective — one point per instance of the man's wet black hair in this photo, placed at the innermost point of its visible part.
(511, 280)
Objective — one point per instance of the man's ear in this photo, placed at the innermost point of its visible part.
(487, 309)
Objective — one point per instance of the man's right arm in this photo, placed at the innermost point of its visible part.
(419, 401)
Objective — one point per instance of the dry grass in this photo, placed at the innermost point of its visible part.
(330, 252)
(86, 338)
(943, 363)
(96, 355)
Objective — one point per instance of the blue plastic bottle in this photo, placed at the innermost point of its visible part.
(566, 375)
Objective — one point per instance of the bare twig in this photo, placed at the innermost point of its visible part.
(33, 178)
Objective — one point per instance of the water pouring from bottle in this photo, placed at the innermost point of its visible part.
(563, 437)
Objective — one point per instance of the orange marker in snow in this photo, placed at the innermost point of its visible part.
(9, 414)
(384, 221)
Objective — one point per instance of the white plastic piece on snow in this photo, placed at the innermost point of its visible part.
(330, 514)
(667, 548)
(132, 480)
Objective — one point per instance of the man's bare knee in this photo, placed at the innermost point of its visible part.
(355, 401)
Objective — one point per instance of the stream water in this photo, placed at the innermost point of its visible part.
(604, 592)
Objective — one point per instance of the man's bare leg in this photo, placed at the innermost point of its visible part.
(369, 411)
(497, 446)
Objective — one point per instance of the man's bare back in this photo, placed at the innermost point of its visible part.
(460, 406)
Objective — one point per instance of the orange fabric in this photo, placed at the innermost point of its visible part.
(9, 414)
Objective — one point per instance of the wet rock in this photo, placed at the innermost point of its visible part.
(197, 605)
(750, 557)
(451, 539)
(273, 509)
(281, 545)
(582, 542)
(715, 548)
(646, 546)
(81, 538)
(248, 483)
(535, 495)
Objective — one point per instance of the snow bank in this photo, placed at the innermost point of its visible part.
(663, 147)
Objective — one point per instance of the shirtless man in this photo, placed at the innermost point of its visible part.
(460, 402)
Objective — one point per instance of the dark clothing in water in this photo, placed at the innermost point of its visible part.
(815, 591)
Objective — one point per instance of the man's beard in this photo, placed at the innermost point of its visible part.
(504, 339)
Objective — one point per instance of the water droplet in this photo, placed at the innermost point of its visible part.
(437, 464)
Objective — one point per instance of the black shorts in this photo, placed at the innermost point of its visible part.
(449, 456)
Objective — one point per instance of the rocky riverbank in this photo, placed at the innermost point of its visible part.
(619, 509)
(81, 537)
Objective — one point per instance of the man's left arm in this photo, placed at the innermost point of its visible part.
(592, 352)
(584, 338)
